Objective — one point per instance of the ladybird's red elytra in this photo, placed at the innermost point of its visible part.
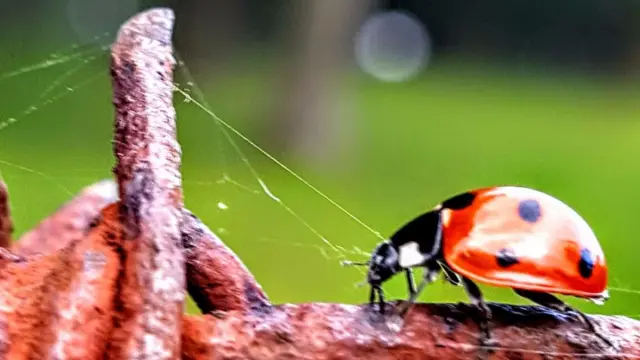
(523, 238)
(505, 236)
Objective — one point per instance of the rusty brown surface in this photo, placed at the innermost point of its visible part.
(151, 297)
(60, 305)
(217, 279)
(69, 222)
(432, 331)
(6, 223)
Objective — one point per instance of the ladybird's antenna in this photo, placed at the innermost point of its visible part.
(354, 263)
(361, 284)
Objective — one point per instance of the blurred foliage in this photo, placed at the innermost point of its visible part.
(460, 127)
(463, 124)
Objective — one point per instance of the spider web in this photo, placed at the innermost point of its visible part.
(88, 67)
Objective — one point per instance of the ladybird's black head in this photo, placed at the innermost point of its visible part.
(383, 264)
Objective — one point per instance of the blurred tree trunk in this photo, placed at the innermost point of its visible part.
(309, 122)
(208, 31)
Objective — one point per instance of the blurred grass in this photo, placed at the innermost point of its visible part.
(461, 126)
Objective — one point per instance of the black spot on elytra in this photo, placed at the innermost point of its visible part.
(529, 210)
(506, 257)
(459, 202)
(585, 265)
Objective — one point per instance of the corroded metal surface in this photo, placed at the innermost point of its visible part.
(321, 331)
(151, 295)
(216, 278)
(60, 305)
(6, 224)
(68, 223)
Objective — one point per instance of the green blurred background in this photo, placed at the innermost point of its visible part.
(387, 107)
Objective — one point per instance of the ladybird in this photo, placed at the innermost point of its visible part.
(504, 236)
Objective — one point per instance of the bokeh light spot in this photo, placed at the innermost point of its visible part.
(392, 46)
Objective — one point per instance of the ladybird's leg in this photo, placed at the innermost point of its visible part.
(477, 300)
(372, 296)
(552, 302)
(411, 283)
(381, 302)
(430, 274)
(376, 290)
(451, 276)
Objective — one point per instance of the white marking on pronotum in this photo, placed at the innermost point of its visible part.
(410, 255)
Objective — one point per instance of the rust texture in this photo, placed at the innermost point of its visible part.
(6, 224)
(60, 305)
(68, 223)
(216, 278)
(322, 331)
(104, 277)
(151, 297)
